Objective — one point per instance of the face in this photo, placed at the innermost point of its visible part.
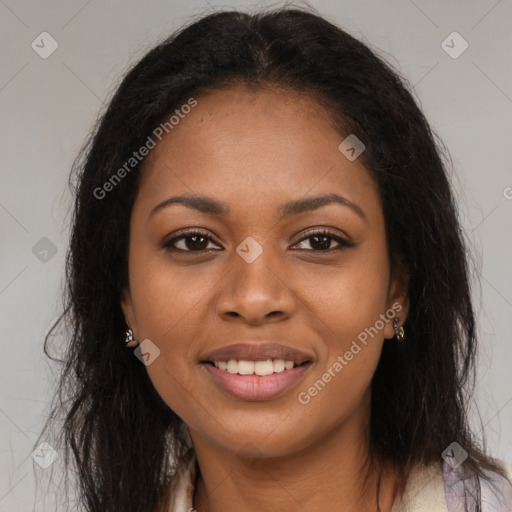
(269, 308)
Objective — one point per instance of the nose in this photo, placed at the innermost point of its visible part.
(255, 293)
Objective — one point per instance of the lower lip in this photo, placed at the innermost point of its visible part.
(255, 387)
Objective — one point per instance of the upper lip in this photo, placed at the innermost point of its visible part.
(256, 351)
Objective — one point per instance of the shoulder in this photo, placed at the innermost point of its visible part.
(466, 492)
(440, 488)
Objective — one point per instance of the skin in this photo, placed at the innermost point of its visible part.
(253, 151)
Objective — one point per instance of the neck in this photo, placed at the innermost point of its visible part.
(327, 476)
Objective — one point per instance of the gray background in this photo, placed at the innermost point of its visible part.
(49, 105)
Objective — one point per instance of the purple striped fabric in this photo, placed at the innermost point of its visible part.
(462, 489)
(466, 492)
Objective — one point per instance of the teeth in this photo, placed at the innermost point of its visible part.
(278, 365)
(262, 368)
(232, 366)
(245, 367)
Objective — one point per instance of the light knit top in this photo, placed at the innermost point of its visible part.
(428, 489)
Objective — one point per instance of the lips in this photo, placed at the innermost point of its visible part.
(260, 351)
(256, 371)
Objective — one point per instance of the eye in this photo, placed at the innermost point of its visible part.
(199, 241)
(321, 240)
(189, 241)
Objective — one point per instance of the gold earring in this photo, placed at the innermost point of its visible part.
(399, 330)
(128, 340)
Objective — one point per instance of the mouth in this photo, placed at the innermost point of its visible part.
(256, 372)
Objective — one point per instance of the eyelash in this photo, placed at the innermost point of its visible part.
(169, 244)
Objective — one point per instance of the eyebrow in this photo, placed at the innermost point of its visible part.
(213, 207)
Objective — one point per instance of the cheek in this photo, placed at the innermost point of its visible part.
(166, 296)
(337, 389)
(348, 299)
(168, 305)
(350, 315)
(349, 304)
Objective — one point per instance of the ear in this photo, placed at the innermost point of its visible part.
(129, 315)
(398, 300)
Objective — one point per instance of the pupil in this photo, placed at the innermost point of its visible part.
(326, 242)
(195, 244)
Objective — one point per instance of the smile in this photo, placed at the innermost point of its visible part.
(256, 370)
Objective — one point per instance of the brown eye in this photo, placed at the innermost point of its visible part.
(192, 241)
(320, 241)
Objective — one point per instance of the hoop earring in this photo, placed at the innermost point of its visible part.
(128, 340)
(399, 330)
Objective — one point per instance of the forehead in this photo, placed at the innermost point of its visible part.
(254, 144)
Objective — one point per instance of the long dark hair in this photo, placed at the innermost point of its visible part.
(122, 440)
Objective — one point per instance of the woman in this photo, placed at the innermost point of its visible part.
(265, 213)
